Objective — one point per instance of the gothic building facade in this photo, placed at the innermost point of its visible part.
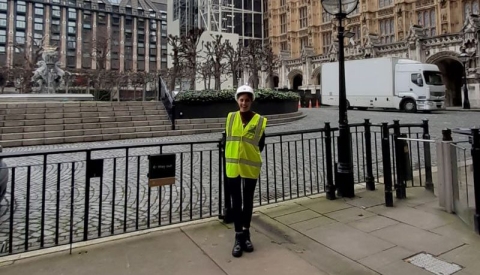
(431, 31)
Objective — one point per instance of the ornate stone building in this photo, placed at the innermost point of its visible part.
(132, 32)
(431, 31)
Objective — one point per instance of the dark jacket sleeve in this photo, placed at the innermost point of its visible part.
(261, 144)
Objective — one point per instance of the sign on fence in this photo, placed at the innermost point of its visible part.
(161, 170)
(95, 168)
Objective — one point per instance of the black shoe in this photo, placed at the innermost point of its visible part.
(237, 247)
(247, 245)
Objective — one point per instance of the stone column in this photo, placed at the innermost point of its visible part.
(63, 37)
(29, 30)
(10, 32)
(108, 62)
(159, 45)
(122, 43)
(135, 44)
(48, 16)
(79, 39)
(147, 45)
(94, 40)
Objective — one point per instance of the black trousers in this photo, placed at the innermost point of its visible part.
(242, 216)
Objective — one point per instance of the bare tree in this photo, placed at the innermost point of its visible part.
(4, 78)
(216, 53)
(25, 59)
(206, 71)
(136, 80)
(189, 51)
(101, 47)
(234, 61)
(148, 78)
(270, 63)
(253, 57)
(174, 72)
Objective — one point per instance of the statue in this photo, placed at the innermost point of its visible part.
(48, 76)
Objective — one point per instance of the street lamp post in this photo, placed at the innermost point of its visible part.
(464, 57)
(344, 173)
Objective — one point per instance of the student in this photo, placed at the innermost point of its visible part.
(245, 140)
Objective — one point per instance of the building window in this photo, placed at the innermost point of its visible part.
(21, 6)
(20, 22)
(326, 17)
(3, 20)
(38, 9)
(56, 11)
(304, 42)
(20, 38)
(303, 17)
(71, 28)
(3, 36)
(356, 30)
(72, 14)
(283, 23)
(327, 41)
(387, 32)
(384, 3)
(355, 11)
(470, 7)
(427, 19)
(3, 5)
(38, 27)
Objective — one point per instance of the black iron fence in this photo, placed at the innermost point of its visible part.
(65, 196)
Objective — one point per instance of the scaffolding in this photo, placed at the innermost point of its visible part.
(218, 15)
(186, 11)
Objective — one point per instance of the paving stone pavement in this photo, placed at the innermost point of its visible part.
(311, 235)
(123, 202)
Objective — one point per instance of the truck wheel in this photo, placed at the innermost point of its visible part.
(409, 106)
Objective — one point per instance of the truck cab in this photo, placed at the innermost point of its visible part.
(419, 86)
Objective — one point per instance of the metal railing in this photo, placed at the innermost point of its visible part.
(60, 197)
(459, 177)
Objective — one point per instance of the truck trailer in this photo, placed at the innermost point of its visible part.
(387, 82)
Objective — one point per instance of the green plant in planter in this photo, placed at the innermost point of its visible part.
(209, 96)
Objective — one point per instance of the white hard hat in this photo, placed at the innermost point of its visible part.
(245, 89)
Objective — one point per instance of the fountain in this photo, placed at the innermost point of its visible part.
(48, 76)
(47, 79)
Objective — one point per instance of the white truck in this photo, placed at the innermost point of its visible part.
(389, 83)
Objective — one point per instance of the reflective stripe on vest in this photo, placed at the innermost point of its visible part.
(242, 153)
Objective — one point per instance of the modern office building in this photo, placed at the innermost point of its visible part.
(431, 31)
(235, 20)
(241, 17)
(132, 33)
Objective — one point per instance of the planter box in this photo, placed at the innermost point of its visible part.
(221, 109)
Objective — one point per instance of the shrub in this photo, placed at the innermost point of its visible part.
(261, 95)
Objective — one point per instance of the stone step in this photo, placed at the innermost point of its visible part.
(49, 128)
(67, 110)
(62, 121)
(77, 114)
(29, 105)
(115, 129)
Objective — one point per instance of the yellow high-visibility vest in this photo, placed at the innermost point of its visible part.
(242, 154)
